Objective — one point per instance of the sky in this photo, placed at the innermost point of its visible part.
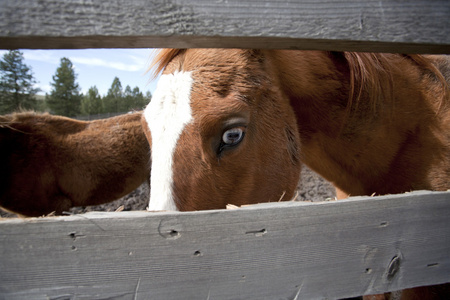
(93, 67)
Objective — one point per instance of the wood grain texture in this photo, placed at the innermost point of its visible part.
(268, 251)
(387, 26)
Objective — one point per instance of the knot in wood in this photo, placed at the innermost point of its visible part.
(393, 267)
(170, 229)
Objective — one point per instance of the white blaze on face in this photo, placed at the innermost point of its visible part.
(167, 114)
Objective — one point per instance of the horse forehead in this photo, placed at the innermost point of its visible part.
(211, 67)
(172, 94)
(167, 115)
(169, 110)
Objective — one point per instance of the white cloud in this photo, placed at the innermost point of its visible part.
(127, 62)
(45, 88)
(98, 62)
(46, 56)
(148, 55)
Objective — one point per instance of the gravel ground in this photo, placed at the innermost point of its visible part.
(311, 187)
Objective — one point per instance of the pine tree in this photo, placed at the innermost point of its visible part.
(114, 97)
(133, 99)
(127, 99)
(92, 103)
(140, 102)
(16, 84)
(65, 97)
(148, 97)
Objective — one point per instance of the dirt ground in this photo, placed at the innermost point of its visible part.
(311, 187)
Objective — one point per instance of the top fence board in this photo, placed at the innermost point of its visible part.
(412, 26)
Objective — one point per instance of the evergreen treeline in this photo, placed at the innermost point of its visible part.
(16, 84)
(17, 91)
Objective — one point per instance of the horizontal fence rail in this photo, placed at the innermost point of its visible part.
(403, 26)
(288, 250)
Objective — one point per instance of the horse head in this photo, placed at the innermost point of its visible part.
(221, 132)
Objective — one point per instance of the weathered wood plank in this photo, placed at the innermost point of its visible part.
(269, 251)
(410, 26)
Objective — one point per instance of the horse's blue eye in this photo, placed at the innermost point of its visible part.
(233, 136)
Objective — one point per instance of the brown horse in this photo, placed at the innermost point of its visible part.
(52, 163)
(231, 126)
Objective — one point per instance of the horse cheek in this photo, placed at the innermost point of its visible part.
(191, 176)
(281, 154)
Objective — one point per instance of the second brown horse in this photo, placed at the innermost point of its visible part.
(52, 163)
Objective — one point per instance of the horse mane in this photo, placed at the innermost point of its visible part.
(371, 74)
(29, 121)
(20, 115)
(6, 121)
(162, 59)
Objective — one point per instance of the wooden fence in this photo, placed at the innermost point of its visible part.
(286, 250)
(406, 26)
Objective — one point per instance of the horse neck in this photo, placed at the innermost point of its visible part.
(317, 90)
(356, 150)
(316, 86)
